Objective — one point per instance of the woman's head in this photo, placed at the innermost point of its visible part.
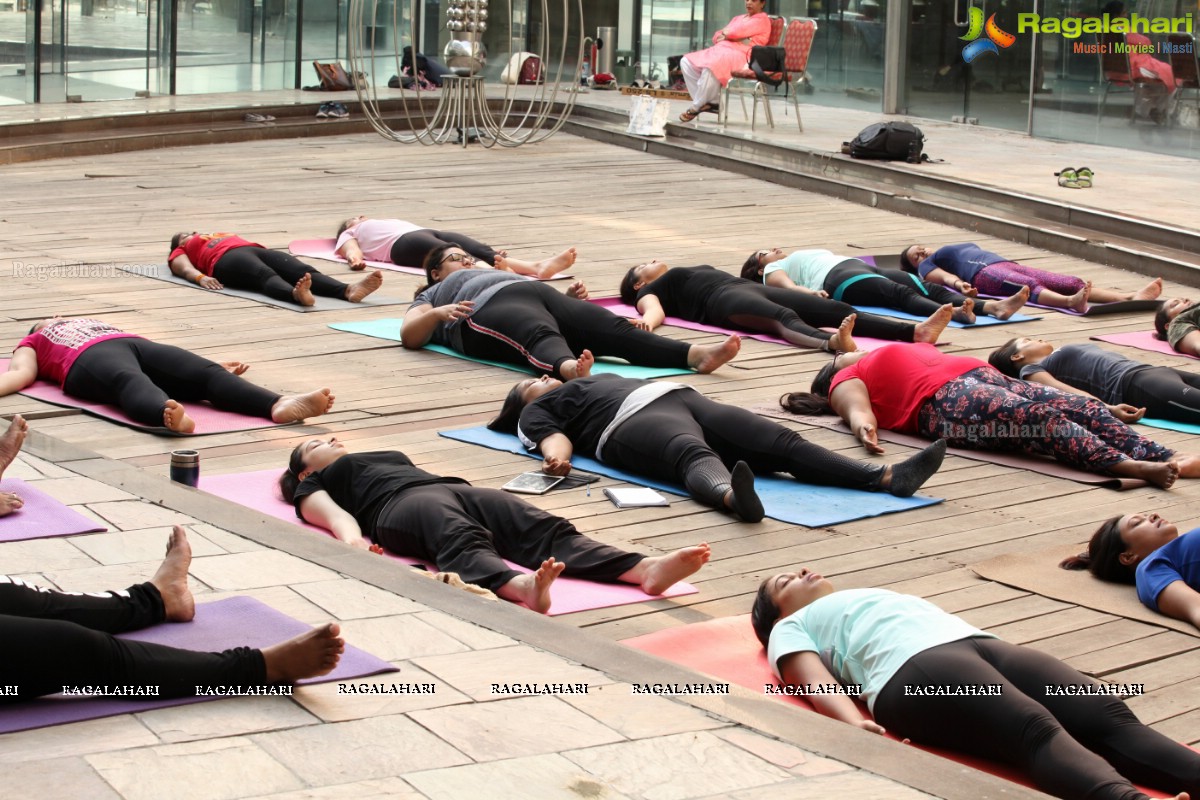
(1019, 352)
(309, 457)
(1120, 544)
(752, 270)
(755, 6)
(913, 255)
(178, 239)
(350, 223)
(638, 277)
(443, 260)
(520, 395)
(782, 595)
(1167, 311)
(816, 400)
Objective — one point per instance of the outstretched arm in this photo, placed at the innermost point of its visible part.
(421, 321)
(22, 371)
(806, 668)
(946, 278)
(182, 266)
(1180, 601)
(320, 509)
(652, 311)
(780, 279)
(556, 451)
(851, 401)
(1122, 411)
(352, 253)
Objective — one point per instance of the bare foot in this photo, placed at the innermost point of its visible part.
(1189, 466)
(579, 367)
(704, 358)
(549, 267)
(843, 340)
(1183, 796)
(11, 441)
(171, 578)
(1161, 474)
(296, 407)
(929, 330)
(1079, 300)
(656, 574)
(1003, 309)
(9, 502)
(175, 418)
(302, 291)
(355, 292)
(966, 313)
(1150, 291)
(533, 589)
(308, 655)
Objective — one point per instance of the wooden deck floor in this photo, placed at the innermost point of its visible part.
(618, 207)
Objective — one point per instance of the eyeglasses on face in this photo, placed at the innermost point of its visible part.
(462, 258)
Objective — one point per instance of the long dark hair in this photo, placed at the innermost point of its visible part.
(1002, 359)
(290, 480)
(628, 293)
(905, 264)
(764, 614)
(510, 412)
(433, 260)
(1103, 556)
(751, 268)
(815, 401)
(1161, 322)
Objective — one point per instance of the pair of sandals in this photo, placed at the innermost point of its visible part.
(1071, 178)
(691, 113)
(642, 83)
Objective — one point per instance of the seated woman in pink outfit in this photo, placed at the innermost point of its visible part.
(706, 71)
(1155, 106)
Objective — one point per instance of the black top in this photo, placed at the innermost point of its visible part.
(363, 483)
(685, 292)
(580, 409)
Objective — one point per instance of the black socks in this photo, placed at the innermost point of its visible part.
(911, 473)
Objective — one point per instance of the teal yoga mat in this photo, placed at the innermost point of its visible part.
(980, 321)
(389, 329)
(1170, 425)
(783, 498)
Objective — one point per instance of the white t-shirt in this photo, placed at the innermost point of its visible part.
(806, 268)
(376, 236)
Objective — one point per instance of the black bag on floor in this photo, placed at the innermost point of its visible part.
(888, 141)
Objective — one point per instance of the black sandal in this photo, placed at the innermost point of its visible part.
(689, 115)
(714, 108)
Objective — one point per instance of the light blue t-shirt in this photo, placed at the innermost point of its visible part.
(807, 268)
(1177, 560)
(864, 636)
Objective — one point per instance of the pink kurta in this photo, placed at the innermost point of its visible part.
(729, 54)
(1145, 62)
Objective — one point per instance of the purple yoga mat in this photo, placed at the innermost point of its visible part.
(233, 622)
(42, 516)
(208, 420)
(1142, 340)
(259, 491)
(323, 249)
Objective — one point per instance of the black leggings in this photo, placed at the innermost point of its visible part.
(54, 639)
(1071, 746)
(1165, 393)
(683, 437)
(876, 290)
(470, 530)
(934, 291)
(273, 273)
(792, 315)
(139, 376)
(411, 248)
(532, 324)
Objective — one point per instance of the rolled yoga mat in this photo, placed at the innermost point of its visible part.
(323, 249)
(42, 516)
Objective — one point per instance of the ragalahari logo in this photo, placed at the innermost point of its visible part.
(996, 38)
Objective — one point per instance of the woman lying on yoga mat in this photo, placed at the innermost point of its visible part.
(216, 260)
(54, 639)
(1149, 552)
(671, 432)
(918, 389)
(461, 528)
(708, 295)
(851, 280)
(10, 445)
(965, 266)
(1129, 388)
(931, 677)
(485, 313)
(98, 362)
(1177, 322)
(393, 241)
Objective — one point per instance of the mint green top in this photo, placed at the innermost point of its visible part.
(807, 268)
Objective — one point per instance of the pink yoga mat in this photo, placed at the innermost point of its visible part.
(228, 623)
(260, 491)
(323, 249)
(42, 516)
(615, 305)
(209, 420)
(1142, 340)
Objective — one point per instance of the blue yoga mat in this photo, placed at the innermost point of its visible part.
(389, 329)
(1170, 425)
(980, 321)
(784, 499)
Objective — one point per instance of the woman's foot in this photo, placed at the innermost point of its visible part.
(1079, 300)
(308, 655)
(931, 329)
(1161, 473)
(10, 502)
(298, 407)
(175, 418)
(741, 498)
(11, 441)
(656, 574)
(1003, 309)
(704, 358)
(302, 291)
(903, 479)
(1189, 466)
(842, 341)
(355, 292)
(689, 115)
(549, 267)
(171, 580)
(1150, 291)
(966, 312)
(580, 367)
(533, 589)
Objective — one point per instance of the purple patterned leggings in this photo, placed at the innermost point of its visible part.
(991, 280)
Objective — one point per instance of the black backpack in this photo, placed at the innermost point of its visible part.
(767, 64)
(888, 141)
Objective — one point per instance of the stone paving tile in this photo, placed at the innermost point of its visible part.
(399, 637)
(473, 636)
(41, 555)
(522, 726)
(332, 704)
(281, 598)
(640, 716)
(545, 777)
(86, 512)
(324, 755)
(59, 779)
(859, 785)
(78, 738)
(474, 673)
(235, 716)
(229, 542)
(131, 515)
(111, 577)
(352, 599)
(78, 489)
(675, 767)
(254, 570)
(781, 754)
(212, 770)
(38, 467)
(123, 547)
(390, 788)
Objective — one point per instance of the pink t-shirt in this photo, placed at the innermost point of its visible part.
(61, 342)
(376, 236)
(901, 377)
